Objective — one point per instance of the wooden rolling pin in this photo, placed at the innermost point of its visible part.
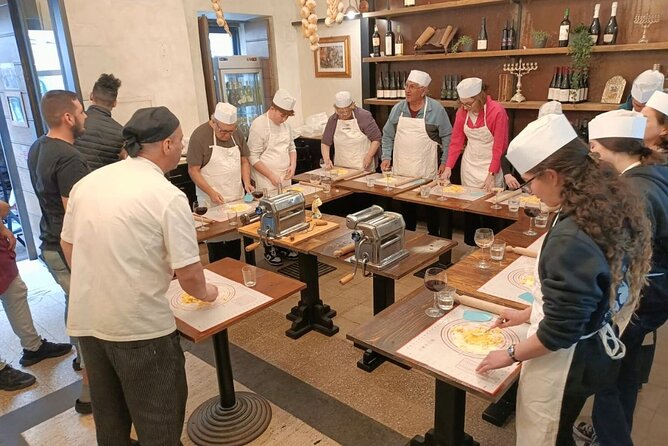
(253, 246)
(480, 304)
(344, 250)
(522, 251)
(347, 278)
(424, 37)
(503, 196)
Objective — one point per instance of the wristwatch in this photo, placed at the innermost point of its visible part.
(511, 353)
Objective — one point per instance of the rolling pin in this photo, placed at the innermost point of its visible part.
(480, 304)
(424, 37)
(522, 251)
(344, 250)
(445, 39)
(253, 246)
(347, 278)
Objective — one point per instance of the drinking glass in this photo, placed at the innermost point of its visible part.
(446, 298)
(388, 176)
(435, 280)
(532, 210)
(200, 207)
(484, 237)
(315, 179)
(370, 181)
(497, 191)
(326, 185)
(259, 193)
(231, 216)
(442, 183)
(513, 204)
(249, 273)
(425, 190)
(497, 250)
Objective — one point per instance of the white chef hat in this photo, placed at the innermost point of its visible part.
(419, 77)
(469, 87)
(646, 84)
(659, 102)
(618, 124)
(550, 108)
(539, 139)
(343, 99)
(225, 113)
(284, 100)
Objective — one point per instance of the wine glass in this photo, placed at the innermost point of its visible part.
(497, 191)
(435, 280)
(443, 183)
(258, 193)
(532, 210)
(387, 173)
(200, 207)
(484, 237)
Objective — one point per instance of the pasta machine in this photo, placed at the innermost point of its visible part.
(281, 215)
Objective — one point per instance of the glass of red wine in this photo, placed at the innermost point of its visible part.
(200, 207)
(435, 280)
(258, 193)
(532, 210)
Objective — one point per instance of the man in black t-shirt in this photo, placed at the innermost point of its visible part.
(55, 166)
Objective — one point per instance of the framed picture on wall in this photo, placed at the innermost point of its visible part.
(17, 111)
(332, 59)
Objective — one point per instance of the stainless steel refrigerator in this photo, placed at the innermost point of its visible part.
(240, 83)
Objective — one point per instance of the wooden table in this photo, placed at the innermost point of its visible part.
(390, 330)
(379, 189)
(233, 417)
(423, 250)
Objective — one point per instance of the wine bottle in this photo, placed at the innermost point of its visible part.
(482, 36)
(456, 79)
(572, 91)
(389, 40)
(564, 88)
(386, 82)
(375, 41)
(380, 88)
(408, 3)
(403, 86)
(399, 45)
(550, 90)
(444, 87)
(512, 37)
(564, 29)
(585, 88)
(556, 91)
(595, 27)
(610, 33)
(393, 87)
(504, 37)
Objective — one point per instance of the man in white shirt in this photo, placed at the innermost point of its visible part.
(127, 231)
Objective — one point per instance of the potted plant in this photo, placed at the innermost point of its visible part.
(579, 48)
(539, 38)
(464, 43)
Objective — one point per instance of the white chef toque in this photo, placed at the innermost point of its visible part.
(550, 108)
(469, 87)
(618, 124)
(343, 99)
(419, 77)
(540, 139)
(659, 102)
(225, 113)
(646, 84)
(284, 100)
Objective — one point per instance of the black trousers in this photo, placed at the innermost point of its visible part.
(220, 250)
(409, 212)
(140, 382)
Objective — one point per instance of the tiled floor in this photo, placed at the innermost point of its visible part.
(400, 400)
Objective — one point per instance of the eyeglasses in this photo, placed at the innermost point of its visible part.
(526, 186)
(467, 105)
(221, 130)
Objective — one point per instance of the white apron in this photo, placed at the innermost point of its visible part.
(223, 172)
(478, 155)
(276, 157)
(543, 380)
(351, 145)
(415, 154)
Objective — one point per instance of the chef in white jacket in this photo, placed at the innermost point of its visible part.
(271, 142)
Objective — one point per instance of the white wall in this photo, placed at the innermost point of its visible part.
(153, 47)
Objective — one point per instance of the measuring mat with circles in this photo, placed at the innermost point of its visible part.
(459, 192)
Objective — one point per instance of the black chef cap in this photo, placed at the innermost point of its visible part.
(147, 125)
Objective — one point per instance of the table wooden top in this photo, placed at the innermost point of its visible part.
(379, 189)
(467, 277)
(398, 324)
(274, 285)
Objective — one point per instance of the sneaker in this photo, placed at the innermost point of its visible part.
(584, 432)
(272, 258)
(82, 407)
(76, 364)
(12, 379)
(46, 350)
(292, 255)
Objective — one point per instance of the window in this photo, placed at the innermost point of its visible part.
(221, 43)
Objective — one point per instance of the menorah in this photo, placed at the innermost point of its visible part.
(646, 20)
(519, 69)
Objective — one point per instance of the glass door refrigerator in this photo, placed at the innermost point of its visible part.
(240, 83)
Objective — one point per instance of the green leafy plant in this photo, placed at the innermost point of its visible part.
(540, 35)
(463, 41)
(579, 48)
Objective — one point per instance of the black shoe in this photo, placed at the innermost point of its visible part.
(12, 379)
(46, 350)
(76, 364)
(83, 408)
(134, 442)
(272, 258)
(292, 255)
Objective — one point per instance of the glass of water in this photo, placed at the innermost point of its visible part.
(514, 204)
(425, 191)
(446, 298)
(370, 181)
(497, 250)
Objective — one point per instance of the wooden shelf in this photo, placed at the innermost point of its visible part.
(659, 46)
(430, 8)
(527, 105)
